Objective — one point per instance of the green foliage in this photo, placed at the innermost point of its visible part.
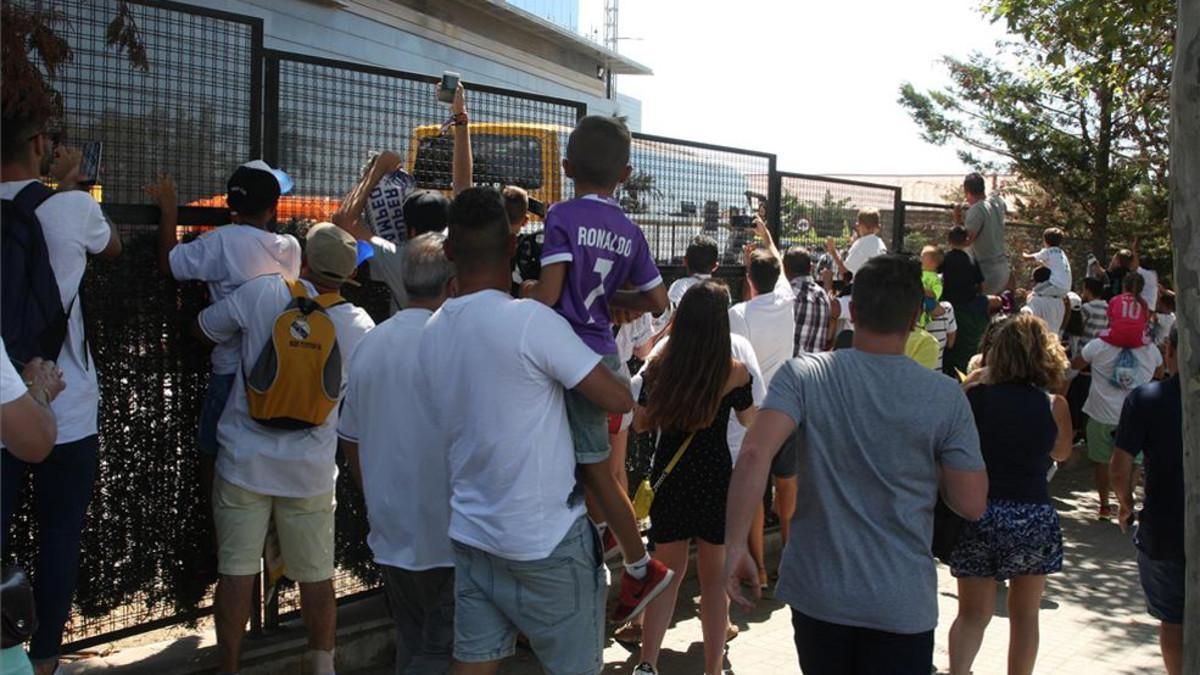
(1076, 104)
(811, 221)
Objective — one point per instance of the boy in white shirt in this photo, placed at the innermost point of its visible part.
(867, 245)
(1055, 259)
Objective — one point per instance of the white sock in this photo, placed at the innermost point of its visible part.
(321, 661)
(637, 570)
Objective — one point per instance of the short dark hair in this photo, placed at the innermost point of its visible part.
(887, 294)
(16, 132)
(1167, 300)
(598, 150)
(973, 184)
(479, 231)
(516, 204)
(1053, 236)
(1041, 275)
(701, 254)
(797, 262)
(957, 235)
(763, 271)
(1094, 286)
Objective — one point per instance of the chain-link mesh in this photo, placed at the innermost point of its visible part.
(190, 114)
(813, 209)
(679, 189)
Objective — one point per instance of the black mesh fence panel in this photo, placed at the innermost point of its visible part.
(333, 115)
(192, 113)
(681, 189)
(813, 209)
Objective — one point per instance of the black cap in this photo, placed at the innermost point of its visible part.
(426, 211)
(255, 187)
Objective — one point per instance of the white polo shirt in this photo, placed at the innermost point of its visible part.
(769, 323)
(862, 250)
(406, 483)
(494, 370)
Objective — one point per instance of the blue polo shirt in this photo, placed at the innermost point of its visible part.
(1152, 423)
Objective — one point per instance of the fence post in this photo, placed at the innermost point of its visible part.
(256, 89)
(898, 222)
(270, 108)
(774, 200)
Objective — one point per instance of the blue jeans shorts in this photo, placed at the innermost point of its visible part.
(556, 602)
(1163, 584)
(215, 398)
(589, 424)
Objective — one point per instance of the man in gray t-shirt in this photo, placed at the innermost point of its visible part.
(984, 221)
(879, 436)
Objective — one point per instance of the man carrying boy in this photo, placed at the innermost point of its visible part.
(495, 370)
(1049, 308)
(984, 221)
(266, 472)
(591, 251)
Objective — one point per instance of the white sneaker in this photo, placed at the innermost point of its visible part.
(645, 669)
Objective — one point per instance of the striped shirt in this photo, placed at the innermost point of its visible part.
(812, 311)
(941, 327)
(1095, 319)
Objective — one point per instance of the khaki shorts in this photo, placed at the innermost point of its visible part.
(304, 525)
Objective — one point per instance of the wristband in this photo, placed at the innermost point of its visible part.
(460, 119)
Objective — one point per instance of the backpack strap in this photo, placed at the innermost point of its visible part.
(31, 197)
(325, 301)
(330, 300)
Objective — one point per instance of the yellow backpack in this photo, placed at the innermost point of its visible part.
(296, 381)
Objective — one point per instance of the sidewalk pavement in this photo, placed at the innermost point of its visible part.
(1093, 617)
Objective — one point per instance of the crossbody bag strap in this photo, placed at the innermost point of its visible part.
(674, 460)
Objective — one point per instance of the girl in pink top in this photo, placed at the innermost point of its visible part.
(1128, 316)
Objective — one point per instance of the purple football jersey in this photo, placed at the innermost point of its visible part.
(603, 250)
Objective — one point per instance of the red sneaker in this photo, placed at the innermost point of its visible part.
(637, 593)
(1106, 512)
(611, 548)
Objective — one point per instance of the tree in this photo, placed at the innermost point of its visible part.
(1077, 104)
(1185, 224)
(639, 191)
(32, 51)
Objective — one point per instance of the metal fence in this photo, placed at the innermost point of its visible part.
(679, 189)
(814, 209)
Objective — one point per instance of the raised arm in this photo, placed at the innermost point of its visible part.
(162, 191)
(760, 228)
(463, 162)
(349, 214)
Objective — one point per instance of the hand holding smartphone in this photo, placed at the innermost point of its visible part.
(449, 84)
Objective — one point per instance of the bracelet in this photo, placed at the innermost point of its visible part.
(460, 119)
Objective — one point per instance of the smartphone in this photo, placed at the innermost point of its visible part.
(89, 163)
(448, 86)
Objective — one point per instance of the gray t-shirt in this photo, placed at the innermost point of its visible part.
(873, 429)
(986, 218)
(387, 265)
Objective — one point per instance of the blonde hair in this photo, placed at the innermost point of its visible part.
(516, 204)
(869, 217)
(1023, 350)
(935, 251)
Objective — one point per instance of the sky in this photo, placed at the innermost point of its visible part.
(815, 82)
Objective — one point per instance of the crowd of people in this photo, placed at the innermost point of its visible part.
(486, 422)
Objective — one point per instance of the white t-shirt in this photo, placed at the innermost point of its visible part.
(12, 387)
(405, 480)
(254, 456)
(843, 321)
(1163, 322)
(1050, 310)
(73, 226)
(387, 265)
(741, 349)
(1056, 261)
(941, 327)
(862, 250)
(1105, 399)
(494, 369)
(632, 335)
(228, 257)
(681, 286)
(1150, 290)
(769, 322)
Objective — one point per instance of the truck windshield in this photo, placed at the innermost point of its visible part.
(499, 160)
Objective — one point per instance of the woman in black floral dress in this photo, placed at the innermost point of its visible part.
(688, 390)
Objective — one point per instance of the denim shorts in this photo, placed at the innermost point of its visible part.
(589, 424)
(556, 602)
(1012, 539)
(1163, 584)
(215, 398)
